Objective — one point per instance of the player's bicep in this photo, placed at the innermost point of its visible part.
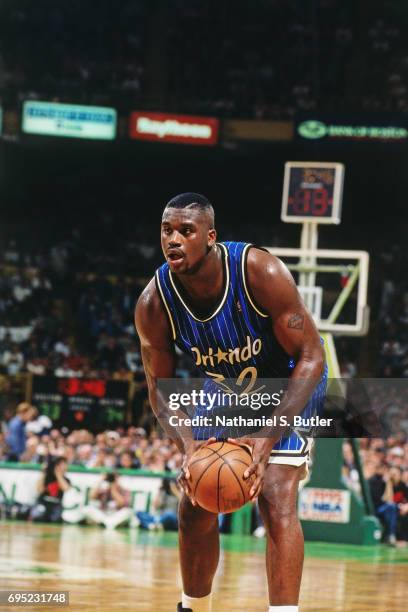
(275, 290)
(295, 330)
(293, 324)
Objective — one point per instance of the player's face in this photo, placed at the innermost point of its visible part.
(185, 239)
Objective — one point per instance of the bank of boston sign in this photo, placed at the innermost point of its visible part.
(339, 130)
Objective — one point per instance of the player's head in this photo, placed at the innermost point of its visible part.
(187, 232)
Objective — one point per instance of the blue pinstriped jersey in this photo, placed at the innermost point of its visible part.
(235, 340)
(236, 335)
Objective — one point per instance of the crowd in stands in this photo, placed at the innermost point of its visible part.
(56, 321)
(393, 314)
(266, 59)
(31, 438)
(385, 460)
(385, 466)
(76, 52)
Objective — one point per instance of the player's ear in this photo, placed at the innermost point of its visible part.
(212, 237)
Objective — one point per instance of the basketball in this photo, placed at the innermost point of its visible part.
(217, 475)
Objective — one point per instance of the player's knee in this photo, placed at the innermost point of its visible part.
(281, 522)
(278, 496)
(279, 510)
(193, 518)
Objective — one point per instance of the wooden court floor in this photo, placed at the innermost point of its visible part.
(135, 570)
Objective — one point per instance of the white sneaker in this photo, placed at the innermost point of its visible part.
(259, 532)
(109, 524)
(392, 540)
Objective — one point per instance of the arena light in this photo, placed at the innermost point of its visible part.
(162, 127)
(69, 120)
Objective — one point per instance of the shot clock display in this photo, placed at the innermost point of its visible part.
(312, 191)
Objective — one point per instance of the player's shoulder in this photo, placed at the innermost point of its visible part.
(263, 265)
(149, 298)
(149, 308)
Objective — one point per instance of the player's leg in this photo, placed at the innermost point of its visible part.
(199, 553)
(285, 545)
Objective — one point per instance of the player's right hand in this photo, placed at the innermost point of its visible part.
(184, 478)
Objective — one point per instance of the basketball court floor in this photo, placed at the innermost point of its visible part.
(135, 570)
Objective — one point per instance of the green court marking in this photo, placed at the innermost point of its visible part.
(36, 570)
(364, 554)
(141, 537)
(324, 550)
(313, 550)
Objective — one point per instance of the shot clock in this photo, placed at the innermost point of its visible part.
(312, 191)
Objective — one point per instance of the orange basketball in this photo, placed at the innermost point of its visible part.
(217, 481)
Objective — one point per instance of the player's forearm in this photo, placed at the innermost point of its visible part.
(305, 377)
(181, 434)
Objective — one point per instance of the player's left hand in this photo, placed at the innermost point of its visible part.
(261, 449)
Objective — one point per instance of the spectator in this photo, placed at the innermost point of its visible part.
(133, 359)
(31, 454)
(110, 354)
(16, 434)
(109, 503)
(165, 507)
(13, 360)
(128, 461)
(52, 486)
(382, 495)
(40, 424)
(349, 471)
(401, 499)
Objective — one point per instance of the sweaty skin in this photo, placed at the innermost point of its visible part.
(188, 242)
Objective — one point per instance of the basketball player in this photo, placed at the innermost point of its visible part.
(208, 298)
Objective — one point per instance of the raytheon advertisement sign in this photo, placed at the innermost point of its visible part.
(184, 129)
(341, 129)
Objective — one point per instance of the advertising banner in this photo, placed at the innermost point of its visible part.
(255, 129)
(183, 129)
(20, 485)
(69, 120)
(368, 129)
(327, 505)
(79, 403)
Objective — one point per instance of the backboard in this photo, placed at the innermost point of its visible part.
(333, 285)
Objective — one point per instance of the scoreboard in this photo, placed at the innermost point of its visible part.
(312, 191)
(78, 403)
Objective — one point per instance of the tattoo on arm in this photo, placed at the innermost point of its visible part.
(296, 321)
